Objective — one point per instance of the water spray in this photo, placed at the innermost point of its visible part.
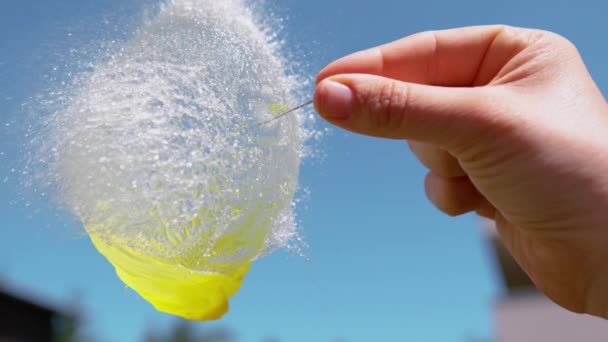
(164, 154)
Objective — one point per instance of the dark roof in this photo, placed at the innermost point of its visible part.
(24, 320)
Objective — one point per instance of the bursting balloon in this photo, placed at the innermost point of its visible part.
(158, 154)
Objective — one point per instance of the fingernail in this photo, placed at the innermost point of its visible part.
(336, 100)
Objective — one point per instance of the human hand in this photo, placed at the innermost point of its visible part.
(511, 126)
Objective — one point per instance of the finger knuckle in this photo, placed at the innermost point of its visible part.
(555, 44)
(385, 104)
(448, 208)
(442, 197)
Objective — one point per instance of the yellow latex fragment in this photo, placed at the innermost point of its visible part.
(177, 286)
(278, 108)
(171, 288)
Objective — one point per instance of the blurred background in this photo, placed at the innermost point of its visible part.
(381, 264)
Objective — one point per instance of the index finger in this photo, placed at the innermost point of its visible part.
(457, 57)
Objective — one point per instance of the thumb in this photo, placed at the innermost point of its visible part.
(383, 107)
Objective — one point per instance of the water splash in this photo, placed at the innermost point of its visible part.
(158, 152)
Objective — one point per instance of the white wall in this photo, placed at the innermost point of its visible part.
(534, 318)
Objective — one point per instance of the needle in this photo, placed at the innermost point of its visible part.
(285, 113)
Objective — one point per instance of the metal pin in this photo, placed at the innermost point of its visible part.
(285, 113)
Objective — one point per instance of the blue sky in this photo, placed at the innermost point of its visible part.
(383, 264)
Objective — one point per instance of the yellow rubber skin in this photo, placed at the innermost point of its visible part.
(171, 288)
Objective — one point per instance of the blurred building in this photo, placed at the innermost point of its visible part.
(22, 320)
(522, 313)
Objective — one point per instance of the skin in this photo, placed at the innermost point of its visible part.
(511, 126)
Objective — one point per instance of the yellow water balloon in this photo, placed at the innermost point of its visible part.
(158, 153)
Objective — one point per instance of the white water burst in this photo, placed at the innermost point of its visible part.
(157, 150)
